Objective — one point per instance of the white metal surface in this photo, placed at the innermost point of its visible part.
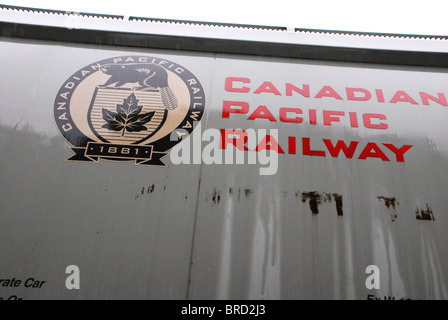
(197, 231)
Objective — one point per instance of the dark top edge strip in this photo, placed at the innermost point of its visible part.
(228, 46)
(212, 24)
(37, 10)
(371, 34)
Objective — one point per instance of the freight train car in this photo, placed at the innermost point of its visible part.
(156, 159)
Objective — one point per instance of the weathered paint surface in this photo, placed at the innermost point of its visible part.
(196, 231)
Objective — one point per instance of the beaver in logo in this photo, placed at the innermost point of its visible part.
(146, 75)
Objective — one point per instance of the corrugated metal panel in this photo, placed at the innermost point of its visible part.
(223, 231)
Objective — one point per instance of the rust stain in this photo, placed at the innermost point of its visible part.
(247, 192)
(148, 190)
(216, 196)
(338, 200)
(314, 198)
(230, 191)
(389, 202)
(421, 214)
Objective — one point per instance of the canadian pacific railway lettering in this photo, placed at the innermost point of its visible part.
(238, 138)
(297, 115)
(294, 115)
(244, 85)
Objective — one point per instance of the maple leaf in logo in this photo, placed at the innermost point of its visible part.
(128, 117)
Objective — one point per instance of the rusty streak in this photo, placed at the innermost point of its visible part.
(338, 200)
(422, 214)
(388, 201)
(216, 196)
(314, 200)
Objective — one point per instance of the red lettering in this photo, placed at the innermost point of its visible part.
(313, 117)
(227, 108)
(379, 95)
(328, 91)
(307, 149)
(373, 151)
(292, 145)
(402, 97)
(269, 143)
(284, 115)
(262, 113)
(267, 87)
(426, 97)
(228, 136)
(368, 121)
(353, 119)
(328, 116)
(351, 94)
(399, 153)
(304, 92)
(341, 146)
(230, 88)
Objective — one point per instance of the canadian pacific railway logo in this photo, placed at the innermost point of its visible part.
(125, 109)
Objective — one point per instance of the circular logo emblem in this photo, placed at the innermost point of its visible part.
(126, 108)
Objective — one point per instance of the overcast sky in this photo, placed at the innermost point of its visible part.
(428, 17)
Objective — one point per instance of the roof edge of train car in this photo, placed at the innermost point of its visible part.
(275, 41)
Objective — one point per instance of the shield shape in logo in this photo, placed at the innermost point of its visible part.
(126, 116)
